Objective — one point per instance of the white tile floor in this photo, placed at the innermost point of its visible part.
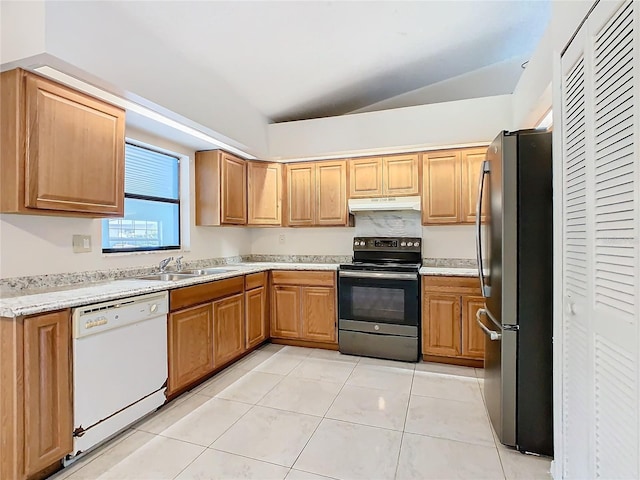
(304, 414)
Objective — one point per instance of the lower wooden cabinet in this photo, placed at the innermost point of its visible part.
(286, 315)
(190, 338)
(206, 330)
(472, 335)
(228, 326)
(35, 400)
(449, 328)
(256, 315)
(303, 306)
(441, 325)
(319, 314)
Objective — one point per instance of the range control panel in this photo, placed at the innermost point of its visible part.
(387, 244)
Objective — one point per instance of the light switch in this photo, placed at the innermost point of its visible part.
(281, 239)
(81, 243)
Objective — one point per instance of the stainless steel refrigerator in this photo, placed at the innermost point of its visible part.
(515, 264)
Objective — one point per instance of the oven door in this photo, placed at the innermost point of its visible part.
(379, 297)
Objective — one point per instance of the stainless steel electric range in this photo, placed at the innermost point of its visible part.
(379, 299)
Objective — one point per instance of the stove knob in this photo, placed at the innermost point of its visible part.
(409, 244)
(416, 244)
(403, 244)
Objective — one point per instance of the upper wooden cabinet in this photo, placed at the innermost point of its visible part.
(62, 151)
(316, 194)
(471, 161)
(396, 175)
(450, 186)
(441, 187)
(221, 189)
(264, 188)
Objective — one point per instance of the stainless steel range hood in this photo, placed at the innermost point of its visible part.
(384, 204)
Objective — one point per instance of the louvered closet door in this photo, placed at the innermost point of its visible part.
(576, 355)
(601, 338)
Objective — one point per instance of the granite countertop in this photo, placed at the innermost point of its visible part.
(449, 271)
(29, 302)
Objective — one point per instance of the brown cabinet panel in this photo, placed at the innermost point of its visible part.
(221, 189)
(265, 193)
(228, 330)
(472, 336)
(365, 179)
(48, 419)
(204, 292)
(331, 191)
(319, 314)
(441, 327)
(302, 277)
(400, 175)
(256, 305)
(234, 190)
(285, 313)
(471, 163)
(441, 187)
(48, 133)
(255, 280)
(300, 194)
(190, 338)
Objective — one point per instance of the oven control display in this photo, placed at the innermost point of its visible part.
(386, 243)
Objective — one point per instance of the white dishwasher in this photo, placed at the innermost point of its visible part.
(119, 366)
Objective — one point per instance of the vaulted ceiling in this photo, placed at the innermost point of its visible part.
(295, 60)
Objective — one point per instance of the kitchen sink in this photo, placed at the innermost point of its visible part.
(168, 277)
(208, 271)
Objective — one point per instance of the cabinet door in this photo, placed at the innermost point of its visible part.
(400, 175)
(472, 335)
(228, 329)
(48, 419)
(285, 314)
(190, 339)
(264, 191)
(74, 151)
(255, 305)
(441, 187)
(441, 325)
(300, 194)
(365, 177)
(319, 314)
(331, 193)
(471, 163)
(233, 190)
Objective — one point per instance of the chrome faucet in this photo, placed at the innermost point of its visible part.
(179, 263)
(164, 263)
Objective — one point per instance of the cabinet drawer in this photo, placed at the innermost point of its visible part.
(301, 277)
(255, 280)
(205, 292)
(459, 285)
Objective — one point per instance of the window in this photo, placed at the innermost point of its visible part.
(151, 204)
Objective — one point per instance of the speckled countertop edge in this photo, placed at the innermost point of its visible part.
(30, 303)
(449, 271)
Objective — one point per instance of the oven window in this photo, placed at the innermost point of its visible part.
(376, 303)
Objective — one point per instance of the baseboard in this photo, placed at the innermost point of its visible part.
(304, 343)
(464, 362)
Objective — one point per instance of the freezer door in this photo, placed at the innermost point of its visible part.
(500, 380)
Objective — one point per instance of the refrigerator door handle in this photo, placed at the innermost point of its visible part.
(484, 171)
(493, 335)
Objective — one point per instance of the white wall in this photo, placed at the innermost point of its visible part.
(22, 29)
(302, 241)
(35, 245)
(461, 122)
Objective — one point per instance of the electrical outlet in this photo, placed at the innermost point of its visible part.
(81, 243)
(281, 239)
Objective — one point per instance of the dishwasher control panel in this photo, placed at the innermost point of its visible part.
(100, 317)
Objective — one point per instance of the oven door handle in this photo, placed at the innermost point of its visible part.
(380, 275)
